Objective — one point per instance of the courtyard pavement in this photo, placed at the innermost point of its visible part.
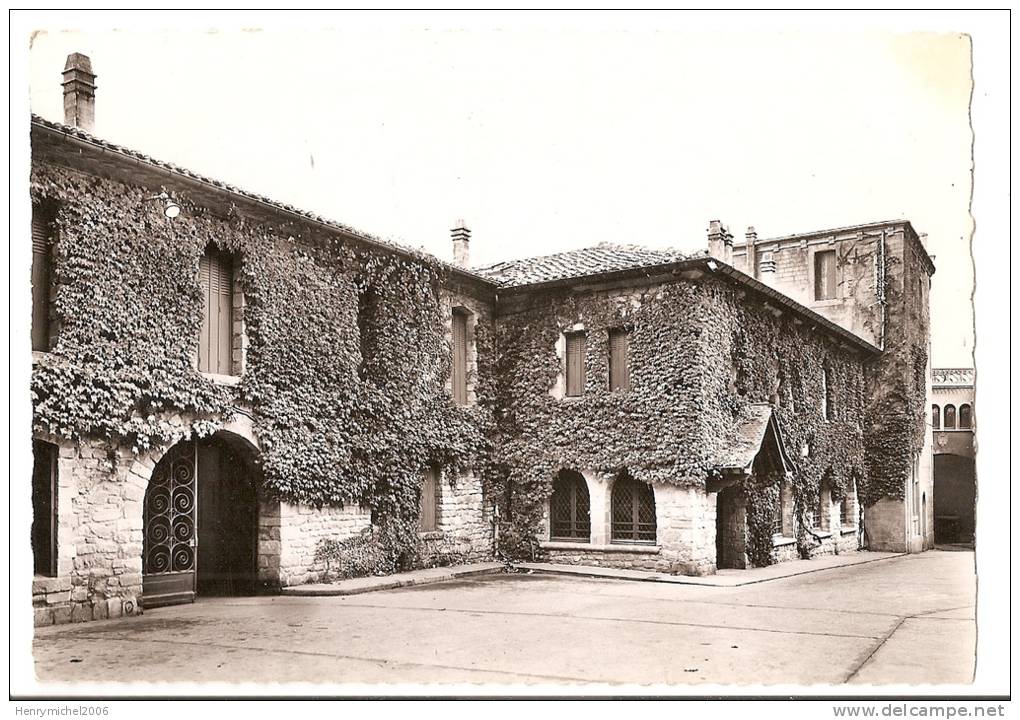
(908, 619)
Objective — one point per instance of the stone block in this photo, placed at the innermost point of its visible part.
(42, 616)
(99, 609)
(62, 615)
(114, 607)
(79, 594)
(57, 598)
(105, 514)
(81, 612)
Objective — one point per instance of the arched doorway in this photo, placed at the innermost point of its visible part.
(200, 523)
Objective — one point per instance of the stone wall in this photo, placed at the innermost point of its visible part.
(99, 536)
(295, 532)
(464, 530)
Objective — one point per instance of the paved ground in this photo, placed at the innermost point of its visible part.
(909, 619)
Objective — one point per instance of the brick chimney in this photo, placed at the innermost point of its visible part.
(751, 238)
(461, 238)
(79, 92)
(767, 269)
(720, 242)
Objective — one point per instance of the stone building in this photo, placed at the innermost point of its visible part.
(953, 422)
(232, 395)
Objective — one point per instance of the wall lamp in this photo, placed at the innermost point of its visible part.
(171, 209)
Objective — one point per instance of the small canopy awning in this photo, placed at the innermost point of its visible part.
(755, 430)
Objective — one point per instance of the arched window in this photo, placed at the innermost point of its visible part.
(216, 343)
(950, 417)
(966, 417)
(569, 508)
(936, 417)
(633, 510)
(44, 507)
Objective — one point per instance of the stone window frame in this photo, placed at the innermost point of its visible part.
(826, 245)
(64, 528)
(239, 335)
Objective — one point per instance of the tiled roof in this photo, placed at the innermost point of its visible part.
(746, 440)
(602, 258)
(177, 169)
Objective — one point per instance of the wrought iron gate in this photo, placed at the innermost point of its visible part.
(171, 540)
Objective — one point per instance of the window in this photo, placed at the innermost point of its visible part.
(825, 275)
(42, 245)
(428, 518)
(827, 405)
(825, 503)
(575, 363)
(619, 359)
(847, 509)
(782, 520)
(966, 417)
(569, 508)
(215, 346)
(950, 417)
(936, 417)
(459, 372)
(44, 507)
(633, 511)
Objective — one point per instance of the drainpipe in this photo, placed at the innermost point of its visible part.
(880, 288)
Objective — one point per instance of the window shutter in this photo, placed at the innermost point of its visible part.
(40, 281)
(619, 360)
(216, 340)
(459, 379)
(575, 364)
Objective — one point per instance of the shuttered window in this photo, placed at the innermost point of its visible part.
(428, 519)
(936, 417)
(459, 379)
(215, 354)
(619, 359)
(575, 364)
(44, 507)
(42, 229)
(825, 275)
(966, 420)
(950, 417)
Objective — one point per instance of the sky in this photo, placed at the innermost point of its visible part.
(560, 135)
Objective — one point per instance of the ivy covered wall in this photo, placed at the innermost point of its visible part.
(700, 351)
(349, 407)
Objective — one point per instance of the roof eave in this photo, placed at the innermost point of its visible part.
(207, 184)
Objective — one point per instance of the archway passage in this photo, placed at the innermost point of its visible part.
(954, 499)
(200, 522)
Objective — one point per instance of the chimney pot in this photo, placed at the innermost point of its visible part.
(79, 92)
(461, 239)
